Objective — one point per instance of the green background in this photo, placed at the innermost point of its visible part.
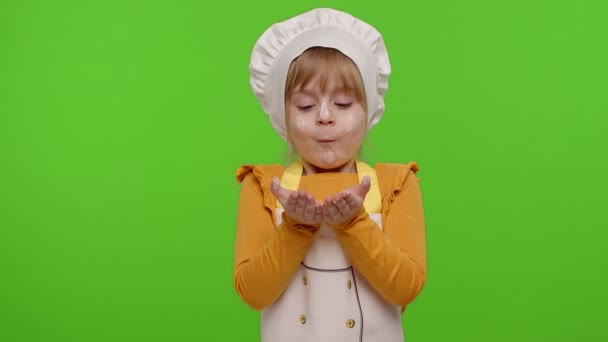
(122, 123)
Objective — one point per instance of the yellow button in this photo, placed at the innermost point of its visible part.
(350, 323)
(304, 281)
(302, 319)
(349, 284)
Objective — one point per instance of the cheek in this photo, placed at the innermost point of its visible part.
(350, 122)
(299, 127)
(294, 119)
(300, 123)
(354, 123)
(296, 123)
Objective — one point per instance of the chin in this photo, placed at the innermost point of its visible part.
(329, 166)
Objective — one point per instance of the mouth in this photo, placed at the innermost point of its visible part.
(326, 141)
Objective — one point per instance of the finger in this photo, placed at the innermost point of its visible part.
(364, 187)
(341, 204)
(314, 208)
(300, 204)
(353, 201)
(275, 186)
(279, 192)
(325, 211)
(331, 210)
(290, 203)
(318, 212)
(309, 210)
(366, 182)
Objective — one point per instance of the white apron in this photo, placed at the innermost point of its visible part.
(328, 300)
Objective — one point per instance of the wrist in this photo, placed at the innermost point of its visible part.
(299, 225)
(350, 221)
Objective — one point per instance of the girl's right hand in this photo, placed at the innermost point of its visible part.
(299, 205)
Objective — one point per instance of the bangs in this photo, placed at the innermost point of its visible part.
(322, 64)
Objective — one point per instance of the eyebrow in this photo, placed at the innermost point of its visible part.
(302, 92)
(343, 89)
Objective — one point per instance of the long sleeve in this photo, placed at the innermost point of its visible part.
(394, 262)
(265, 257)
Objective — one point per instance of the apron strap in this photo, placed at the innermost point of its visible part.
(373, 201)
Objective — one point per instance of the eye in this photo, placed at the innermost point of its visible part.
(305, 108)
(344, 105)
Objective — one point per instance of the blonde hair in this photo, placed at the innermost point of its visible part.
(326, 63)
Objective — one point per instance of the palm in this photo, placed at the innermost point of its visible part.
(302, 206)
(342, 206)
(299, 205)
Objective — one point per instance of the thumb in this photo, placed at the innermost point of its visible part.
(364, 187)
(275, 186)
(277, 190)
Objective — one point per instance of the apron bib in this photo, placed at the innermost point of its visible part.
(327, 299)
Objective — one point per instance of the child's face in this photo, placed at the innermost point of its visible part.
(326, 127)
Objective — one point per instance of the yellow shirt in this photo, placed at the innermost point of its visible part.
(393, 260)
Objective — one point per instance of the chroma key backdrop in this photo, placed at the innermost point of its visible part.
(122, 124)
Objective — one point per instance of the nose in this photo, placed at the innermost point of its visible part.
(325, 121)
(325, 117)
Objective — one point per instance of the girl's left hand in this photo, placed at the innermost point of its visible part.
(344, 205)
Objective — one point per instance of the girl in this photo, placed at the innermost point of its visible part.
(329, 248)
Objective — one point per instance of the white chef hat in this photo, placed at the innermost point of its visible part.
(281, 43)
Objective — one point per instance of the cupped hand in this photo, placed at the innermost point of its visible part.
(299, 205)
(345, 204)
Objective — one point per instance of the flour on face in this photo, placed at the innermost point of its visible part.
(300, 123)
(324, 111)
(349, 125)
(329, 156)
